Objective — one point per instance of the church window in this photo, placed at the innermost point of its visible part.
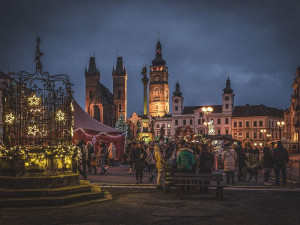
(176, 108)
(119, 94)
(120, 108)
(156, 94)
(91, 94)
(96, 113)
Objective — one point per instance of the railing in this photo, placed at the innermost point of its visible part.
(293, 170)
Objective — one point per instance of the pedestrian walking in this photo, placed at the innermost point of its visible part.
(206, 164)
(139, 158)
(129, 155)
(280, 159)
(185, 160)
(150, 161)
(229, 158)
(111, 154)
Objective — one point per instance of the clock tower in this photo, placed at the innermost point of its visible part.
(227, 98)
(159, 85)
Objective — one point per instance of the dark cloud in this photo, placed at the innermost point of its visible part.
(256, 43)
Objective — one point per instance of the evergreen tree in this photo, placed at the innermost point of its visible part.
(121, 124)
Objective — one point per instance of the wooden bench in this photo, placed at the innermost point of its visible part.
(182, 180)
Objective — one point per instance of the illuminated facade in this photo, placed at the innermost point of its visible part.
(159, 104)
(99, 101)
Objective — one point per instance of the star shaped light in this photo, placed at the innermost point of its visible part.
(32, 130)
(34, 101)
(60, 116)
(9, 118)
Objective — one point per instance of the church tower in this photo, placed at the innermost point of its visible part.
(120, 88)
(227, 98)
(159, 88)
(177, 100)
(92, 79)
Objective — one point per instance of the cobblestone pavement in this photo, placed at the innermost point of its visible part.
(148, 206)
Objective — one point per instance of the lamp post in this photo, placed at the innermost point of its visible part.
(280, 124)
(207, 110)
(269, 135)
(263, 133)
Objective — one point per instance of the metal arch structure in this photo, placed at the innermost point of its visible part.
(37, 108)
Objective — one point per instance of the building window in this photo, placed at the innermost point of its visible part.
(156, 107)
(226, 121)
(176, 108)
(203, 120)
(191, 122)
(260, 135)
(240, 135)
(169, 125)
(219, 132)
(235, 124)
(176, 122)
(235, 135)
(163, 125)
(226, 106)
(272, 123)
(120, 108)
(260, 123)
(255, 135)
(247, 123)
(269, 123)
(184, 122)
(247, 135)
(226, 132)
(91, 94)
(157, 125)
(219, 121)
(254, 123)
(119, 94)
(199, 121)
(240, 124)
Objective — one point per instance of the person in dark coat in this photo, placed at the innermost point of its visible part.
(241, 159)
(280, 159)
(80, 145)
(206, 163)
(267, 164)
(91, 150)
(139, 158)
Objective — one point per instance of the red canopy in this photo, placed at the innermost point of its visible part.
(86, 128)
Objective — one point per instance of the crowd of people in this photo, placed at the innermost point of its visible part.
(196, 157)
(185, 158)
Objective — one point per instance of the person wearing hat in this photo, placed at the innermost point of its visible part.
(241, 159)
(228, 158)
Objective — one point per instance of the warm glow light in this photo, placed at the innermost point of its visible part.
(280, 123)
(33, 130)
(207, 110)
(9, 118)
(34, 101)
(263, 131)
(60, 116)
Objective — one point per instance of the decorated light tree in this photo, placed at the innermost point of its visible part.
(121, 124)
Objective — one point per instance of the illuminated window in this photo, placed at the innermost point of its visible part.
(169, 125)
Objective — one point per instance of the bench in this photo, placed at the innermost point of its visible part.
(195, 180)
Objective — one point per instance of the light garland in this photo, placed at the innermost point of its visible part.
(60, 116)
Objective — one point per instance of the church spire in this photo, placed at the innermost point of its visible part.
(92, 67)
(177, 91)
(158, 61)
(227, 89)
(120, 69)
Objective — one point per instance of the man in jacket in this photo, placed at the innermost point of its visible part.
(159, 164)
(241, 159)
(185, 160)
(280, 159)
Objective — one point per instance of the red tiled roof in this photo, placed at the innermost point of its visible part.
(256, 110)
(190, 109)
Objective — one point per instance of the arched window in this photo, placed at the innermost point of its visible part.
(97, 113)
(119, 94)
(156, 93)
(120, 108)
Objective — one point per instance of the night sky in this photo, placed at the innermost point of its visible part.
(256, 43)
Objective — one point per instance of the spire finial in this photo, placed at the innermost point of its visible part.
(158, 36)
(38, 54)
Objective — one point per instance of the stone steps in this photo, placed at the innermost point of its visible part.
(75, 194)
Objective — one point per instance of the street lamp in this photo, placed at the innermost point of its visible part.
(269, 135)
(263, 133)
(206, 124)
(207, 110)
(280, 124)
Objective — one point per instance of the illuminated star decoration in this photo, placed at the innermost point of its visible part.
(32, 130)
(34, 101)
(60, 116)
(9, 118)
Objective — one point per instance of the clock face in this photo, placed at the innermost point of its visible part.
(156, 78)
(176, 101)
(226, 98)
